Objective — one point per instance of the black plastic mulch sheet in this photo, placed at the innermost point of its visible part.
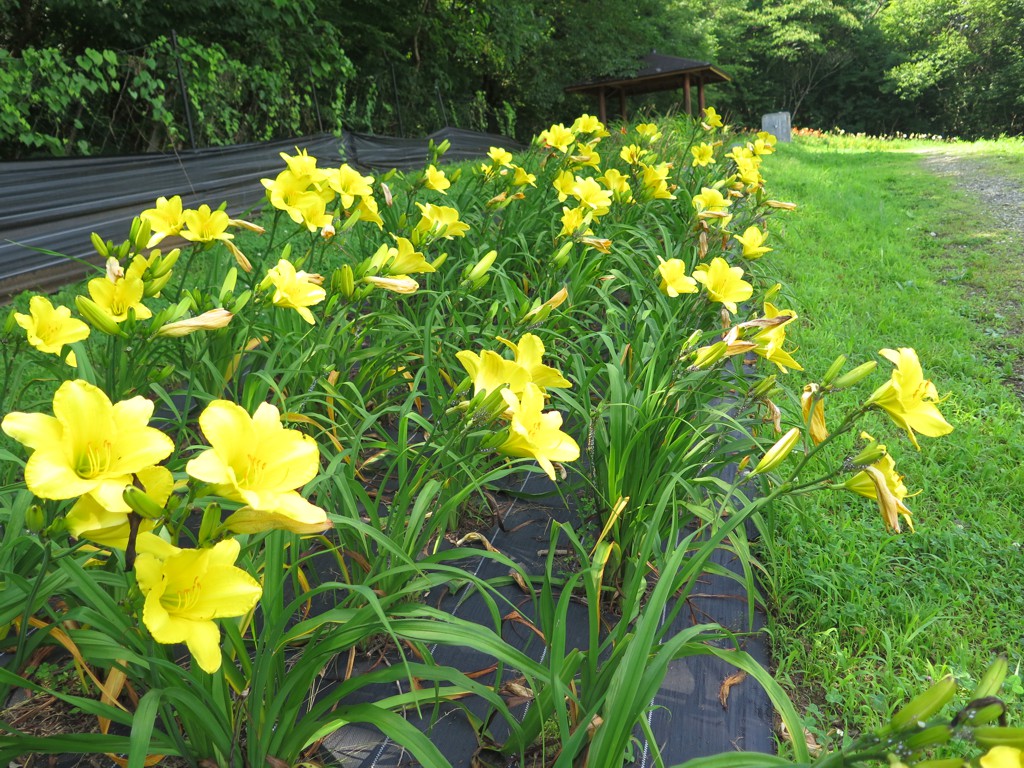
(55, 204)
(687, 716)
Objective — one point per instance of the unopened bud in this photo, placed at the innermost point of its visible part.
(925, 705)
(99, 244)
(140, 232)
(35, 518)
(240, 301)
(834, 370)
(872, 452)
(481, 267)
(141, 503)
(436, 263)
(857, 374)
(708, 356)
(990, 736)
(343, 281)
(96, 317)
(927, 738)
(562, 254)
(778, 452)
(211, 522)
(763, 388)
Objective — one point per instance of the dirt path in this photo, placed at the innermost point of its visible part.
(1002, 199)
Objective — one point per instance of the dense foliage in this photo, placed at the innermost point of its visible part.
(412, 66)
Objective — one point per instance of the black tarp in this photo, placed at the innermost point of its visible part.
(55, 204)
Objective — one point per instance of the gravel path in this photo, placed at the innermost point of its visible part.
(1002, 198)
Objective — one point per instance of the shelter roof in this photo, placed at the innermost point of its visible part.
(657, 72)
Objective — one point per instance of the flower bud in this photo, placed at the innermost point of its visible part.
(778, 452)
(927, 738)
(857, 374)
(240, 301)
(990, 736)
(436, 263)
(925, 705)
(834, 370)
(35, 518)
(208, 321)
(708, 356)
(140, 232)
(141, 503)
(562, 254)
(872, 452)
(99, 244)
(481, 267)
(211, 522)
(763, 388)
(10, 323)
(992, 680)
(96, 317)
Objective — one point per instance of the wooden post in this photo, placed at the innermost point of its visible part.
(622, 103)
(700, 93)
(602, 106)
(686, 95)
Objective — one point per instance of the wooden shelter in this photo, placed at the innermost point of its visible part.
(658, 72)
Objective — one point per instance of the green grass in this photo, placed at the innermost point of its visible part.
(883, 253)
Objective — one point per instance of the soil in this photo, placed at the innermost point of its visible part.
(1000, 199)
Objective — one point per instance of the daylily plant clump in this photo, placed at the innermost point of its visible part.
(262, 454)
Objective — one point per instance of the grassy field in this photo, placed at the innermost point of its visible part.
(884, 253)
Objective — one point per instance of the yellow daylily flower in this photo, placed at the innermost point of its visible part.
(349, 184)
(89, 446)
(50, 328)
(294, 290)
(618, 183)
(557, 137)
(523, 178)
(490, 371)
(674, 280)
(711, 118)
(655, 181)
(165, 219)
(813, 409)
(576, 222)
(88, 519)
(438, 221)
(633, 154)
(723, 283)
(529, 354)
(770, 340)
(186, 589)
(586, 155)
(399, 261)
(500, 157)
(703, 154)
(434, 178)
(649, 131)
(881, 482)
(535, 434)
(368, 211)
(1002, 756)
(711, 203)
(255, 460)
(563, 184)
(588, 124)
(909, 398)
(591, 195)
(752, 241)
(115, 297)
(204, 225)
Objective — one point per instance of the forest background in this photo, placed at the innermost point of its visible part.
(107, 76)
